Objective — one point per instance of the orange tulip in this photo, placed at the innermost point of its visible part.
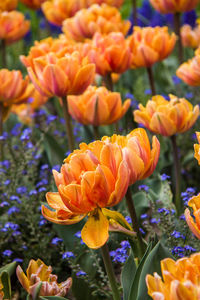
(189, 71)
(97, 106)
(1, 290)
(59, 47)
(149, 45)
(13, 90)
(92, 178)
(173, 6)
(180, 279)
(190, 37)
(137, 152)
(57, 11)
(167, 117)
(37, 273)
(34, 4)
(109, 53)
(116, 3)
(194, 202)
(26, 110)
(8, 5)
(69, 75)
(197, 148)
(13, 26)
(87, 22)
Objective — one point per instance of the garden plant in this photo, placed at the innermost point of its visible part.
(99, 149)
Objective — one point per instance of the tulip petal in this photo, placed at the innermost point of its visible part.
(95, 231)
(83, 79)
(22, 278)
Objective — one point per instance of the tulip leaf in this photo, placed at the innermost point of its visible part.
(10, 268)
(5, 279)
(152, 264)
(135, 282)
(128, 273)
(55, 152)
(36, 291)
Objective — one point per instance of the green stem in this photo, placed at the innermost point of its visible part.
(68, 124)
(1, 130)
(3, 54)
(177, 174)
(108, 82)
(96, 132)
(151, 80)
(177, 26)
(135, 12)
(133, 215)
(110, 272)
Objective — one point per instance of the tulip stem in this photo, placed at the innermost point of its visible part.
(68, 124)
(110, 272)
(177, 26)
(96, 132)
(133, 215)
(177, 174)
(1, 131)
(135, 12)
(151, 80)
(108, 82)
(3, 53)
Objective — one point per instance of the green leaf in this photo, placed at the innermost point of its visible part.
(36, 291)
(5, 279)
(135, 283)
(128, 274)
(55, 152)
(10, 268)
(52, 297)
(152, 264)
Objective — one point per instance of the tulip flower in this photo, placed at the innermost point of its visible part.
(197, 148)
(87, 22)
(189, 71)
(61, 77)
(97, 106)
(13, 26)
(110, 53)
(38, 273)
(56, 11)
(33, 4)
(140, 158)
(167, 117)
(190, 37)
(92, 178)
(8, 5)
(180, 279)
(116, 3)
(26, 110)
(150, 44)
(194, 202)
(173, 6)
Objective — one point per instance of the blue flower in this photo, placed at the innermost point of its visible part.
(7, 253)
(56, 240)
(13, 210)
(164, 176)
(68, 254)
(80, 273)
(78, 234)
(143, 187)
(143, 216)
(26, 134)
(177, 235)
(7, 182)
(21, 190)
(4, 203)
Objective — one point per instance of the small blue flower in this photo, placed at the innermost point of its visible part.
(177, 235)
(189, 248)
(164, 176)
(143, 216)
(143, 187)
(68, 254)
(32, 192)
(176, 80)
(26, 134)
(44, 167)
(56, 240)
(7, 182)
(78, 234)
(4, 203)
(5, 164)
(13, 210)
(80, 273)
(154, 221)
(21, 190)
(128, 219)
(7, 253)
(42, 189)
(19, 260)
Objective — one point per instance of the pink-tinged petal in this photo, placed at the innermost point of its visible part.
(83, 79)
(37, 83)
(161, 124)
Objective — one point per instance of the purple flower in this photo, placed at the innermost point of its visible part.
(7, 253)
(68, 254)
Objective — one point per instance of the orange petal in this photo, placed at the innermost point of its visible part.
(95, 231)
(83, 79)
(22, 278)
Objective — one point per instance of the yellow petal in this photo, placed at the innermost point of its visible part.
(95, 231)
